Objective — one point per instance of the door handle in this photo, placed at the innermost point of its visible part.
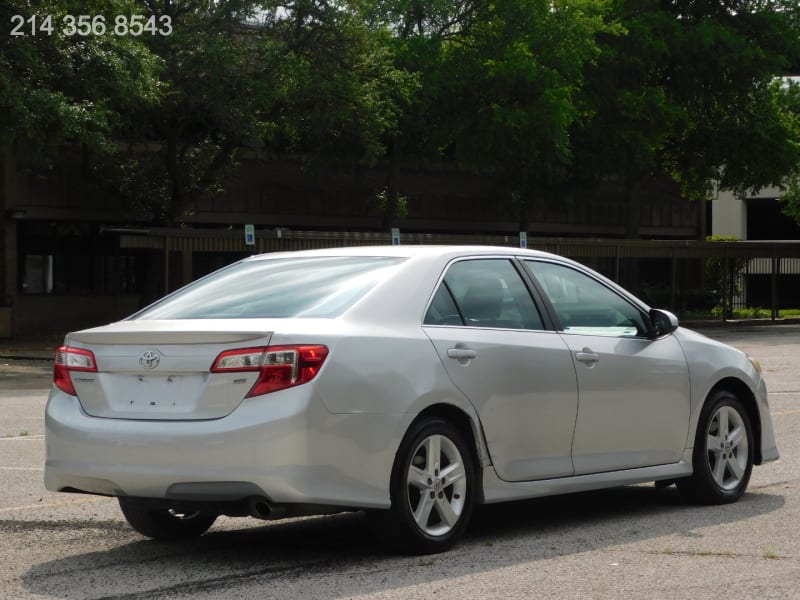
(461, 354)
(587, 356)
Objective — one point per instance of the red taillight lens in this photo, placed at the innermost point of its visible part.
(71, 359)
(279, 367)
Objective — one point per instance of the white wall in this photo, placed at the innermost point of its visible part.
(729, 212)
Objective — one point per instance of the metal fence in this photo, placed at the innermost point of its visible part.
(723, 279)
(688, 277)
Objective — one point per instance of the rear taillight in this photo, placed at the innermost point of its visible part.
(71, 359)
(279, 367)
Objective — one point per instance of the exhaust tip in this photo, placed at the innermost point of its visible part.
(259, 508)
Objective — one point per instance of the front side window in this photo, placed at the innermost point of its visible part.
(483, 293)
(586, 306)
(278, 288)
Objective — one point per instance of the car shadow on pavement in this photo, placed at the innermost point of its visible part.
(337, 556)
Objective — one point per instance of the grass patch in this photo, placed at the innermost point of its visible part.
(751, 312)
(769, 555)
(427, 562)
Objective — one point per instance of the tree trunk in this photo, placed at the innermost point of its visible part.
(173, 171)
(391, 208)
(525, 205)
(633, 209)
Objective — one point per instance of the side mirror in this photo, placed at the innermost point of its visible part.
(663, 322)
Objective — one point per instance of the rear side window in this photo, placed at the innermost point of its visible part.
(280, 287)
(483, 293)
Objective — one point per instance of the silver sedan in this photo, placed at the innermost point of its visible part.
(410, 382)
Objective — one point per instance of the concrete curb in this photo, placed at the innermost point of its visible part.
(26, 357)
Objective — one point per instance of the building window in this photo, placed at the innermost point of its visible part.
(75, 259)
(37, 274)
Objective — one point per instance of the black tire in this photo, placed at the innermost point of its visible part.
(430, 512)
(723, 452)
(164, 524)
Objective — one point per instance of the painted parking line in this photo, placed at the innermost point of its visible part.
(21, 468)
(17, 438)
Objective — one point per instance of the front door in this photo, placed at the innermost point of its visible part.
(633, 391)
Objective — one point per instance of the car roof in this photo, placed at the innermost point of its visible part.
(409, 251)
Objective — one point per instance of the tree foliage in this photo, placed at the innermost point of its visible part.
(788, 99)
(305, 77)
(537, 93)
(55, 88)
(690, 93)
(500, 85)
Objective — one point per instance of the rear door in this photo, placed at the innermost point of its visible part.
(492, 341)
(634, 391)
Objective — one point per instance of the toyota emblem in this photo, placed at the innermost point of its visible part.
(150, 359)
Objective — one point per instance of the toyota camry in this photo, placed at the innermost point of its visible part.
(409, 382)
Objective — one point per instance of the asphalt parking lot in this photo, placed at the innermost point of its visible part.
(632, 542)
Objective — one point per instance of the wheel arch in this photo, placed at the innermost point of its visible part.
(467, 427)
(742, 391)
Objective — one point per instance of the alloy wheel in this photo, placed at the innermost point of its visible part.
(436, 485)
(727, 447)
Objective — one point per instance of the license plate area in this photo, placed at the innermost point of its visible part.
(162, 396)
(165, 393)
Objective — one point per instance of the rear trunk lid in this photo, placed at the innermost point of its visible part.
(161, 370)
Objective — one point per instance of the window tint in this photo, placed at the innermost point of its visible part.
(586, 306)
(281, 287)
(484, 293)
(443, 310)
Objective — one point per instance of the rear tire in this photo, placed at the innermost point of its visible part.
(165, 524)
(723, 452)
(432, 490)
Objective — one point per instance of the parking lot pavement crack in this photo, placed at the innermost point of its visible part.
(775, 484)
(765, 555)
(192, 588)
(11, 526)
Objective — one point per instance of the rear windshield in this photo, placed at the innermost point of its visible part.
(280, 287)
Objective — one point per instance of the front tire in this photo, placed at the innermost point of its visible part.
(432, 490)
(165, 524)
(723, 452)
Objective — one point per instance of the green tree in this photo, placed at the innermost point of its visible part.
(500, 84)
(789, 102)
(220, 83)
(307, 77)
(688, 93)
(736, 134)
(56, 88)
(166, 116)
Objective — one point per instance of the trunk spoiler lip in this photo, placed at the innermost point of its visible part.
(160, 337)
(202, 331)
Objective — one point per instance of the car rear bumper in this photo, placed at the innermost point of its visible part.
(287, 445)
